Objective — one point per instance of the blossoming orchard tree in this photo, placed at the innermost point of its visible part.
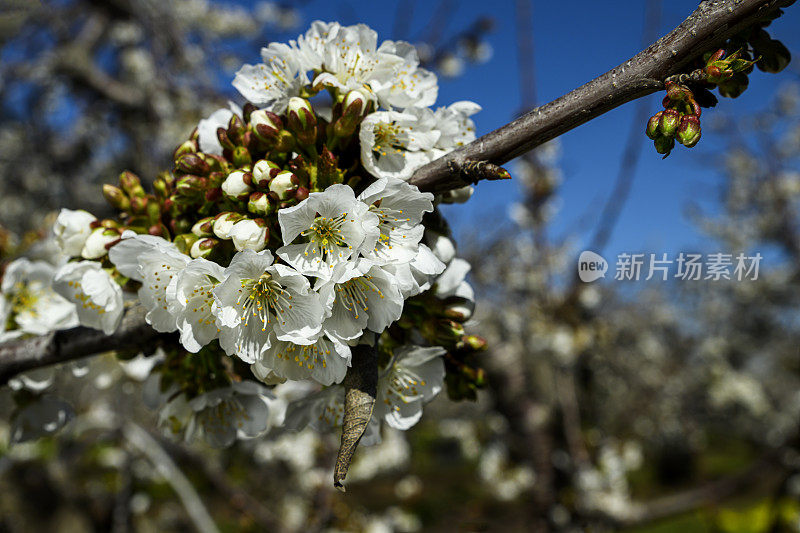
(292, 268)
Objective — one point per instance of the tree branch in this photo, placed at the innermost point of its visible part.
(709, 25)
(62, 346)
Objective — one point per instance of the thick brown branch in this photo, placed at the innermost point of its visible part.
(709, 25)
(62, 346)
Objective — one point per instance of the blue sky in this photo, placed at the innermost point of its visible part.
(573, 46)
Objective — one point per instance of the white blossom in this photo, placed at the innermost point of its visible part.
(220, 415)
(395, 144)
(71, 229)
(280, 77)
(29, 302)
(325, 361)
(414, 376)
(360, 295)
(249, 234)
(399, 208)
(258, 298)
(158, 261)
(418, 275)
(97, 296)
(334, 225)
(192, 302)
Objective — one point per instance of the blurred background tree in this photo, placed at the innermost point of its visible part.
(665, 406)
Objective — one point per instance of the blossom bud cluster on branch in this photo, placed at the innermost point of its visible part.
(284, 236)
(728, 72)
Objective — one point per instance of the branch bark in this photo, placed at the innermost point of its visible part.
(68, 345)
(708, 26)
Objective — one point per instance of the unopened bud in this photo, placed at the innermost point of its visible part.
(203, 247)
(95, 245)
(224, 140)
(237, 185)
(241, 156)
(131, 184)
(187, 147)
(302, 120)
(476, 343)
(265, 124)
(664, 145)
(204, 227)
(688, 133)
(301, 194)
(250, 235)
(263, 171)
(185, 241)
(192, 164)
(353, 108)
(139, 205)
(224, 222)
(190, 187)
(116, 197)
(652, 125)
(259, 204)
(283, 183)
(670, 119)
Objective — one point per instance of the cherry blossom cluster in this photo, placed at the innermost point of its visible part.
(285, 234)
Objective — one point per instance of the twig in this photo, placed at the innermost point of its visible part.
(709, 25)
(147, 445)
(62, 346)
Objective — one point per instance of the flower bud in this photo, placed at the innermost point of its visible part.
(72, 228)
(302, 120)
(301, 194)
(265, 124)
(237, 185)
(192, 164)
(263, 171)
(259, 204)
(664, 145)
(203, 247)
(131, 184)
(190, 188)
(241, 156)
(162, 185)
(224, 140)
(670, 119)
(139, 205)
(250, 235)
(185, 241)
(283, 183)
(302, 108)
(204, 227)
(95, 245)
(476, 343)
(187, 147)
(116, 197)
(652, 125)
(223, 223)
(688, 133)
(353, 108)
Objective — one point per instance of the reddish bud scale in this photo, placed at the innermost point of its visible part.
(192, 164)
